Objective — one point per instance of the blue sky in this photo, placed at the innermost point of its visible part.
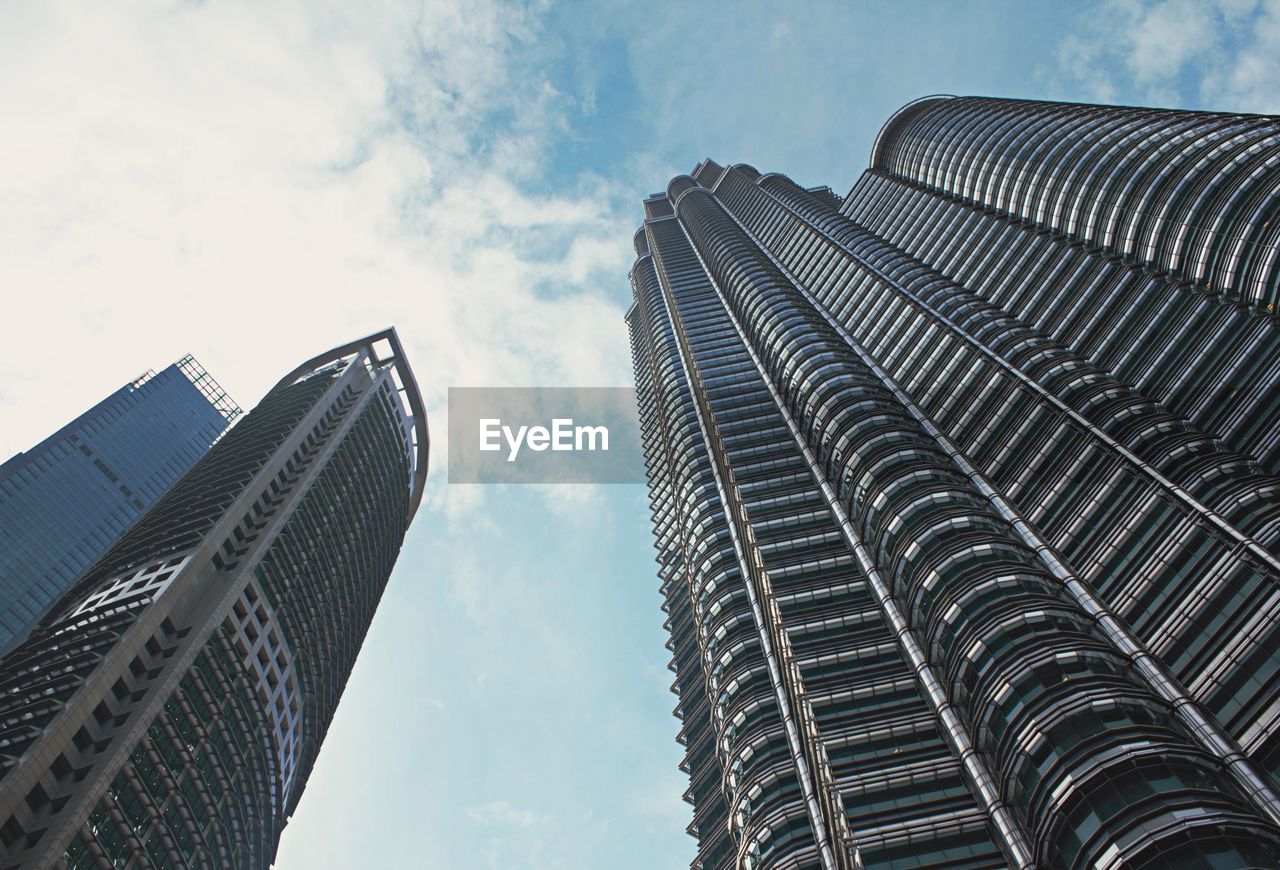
(253, 182)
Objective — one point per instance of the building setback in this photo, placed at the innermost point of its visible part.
(63, 502)
(168, 710)
(965, 492)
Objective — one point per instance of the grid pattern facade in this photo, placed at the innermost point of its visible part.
(966, 509)
(65, 501)
(168, 710)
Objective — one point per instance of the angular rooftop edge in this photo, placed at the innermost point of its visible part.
(410, 388)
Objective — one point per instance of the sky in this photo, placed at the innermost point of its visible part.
(254, 182)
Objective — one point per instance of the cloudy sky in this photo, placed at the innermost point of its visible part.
(253, 182)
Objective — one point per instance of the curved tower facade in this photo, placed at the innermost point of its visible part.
(965, 494)
(168, 709)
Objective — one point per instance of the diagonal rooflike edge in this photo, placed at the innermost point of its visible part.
(410, 385)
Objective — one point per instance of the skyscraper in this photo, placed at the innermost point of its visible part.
(66, 500)
(964, 491)
(168, 710)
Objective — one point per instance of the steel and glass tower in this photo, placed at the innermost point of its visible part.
(168, 709)
(965, 492)
(64, 501)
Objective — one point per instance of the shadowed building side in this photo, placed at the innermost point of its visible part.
(170, 707)
(967, 521)
(66, 500)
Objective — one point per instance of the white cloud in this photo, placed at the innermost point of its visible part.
(485, 595)
(579, 507)
(503, 814)
(252, 183)
(514, 836)
(662, 799)
(1249, 79)
(1168, 35)
(1222, 55)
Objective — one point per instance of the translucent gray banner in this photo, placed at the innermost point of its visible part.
(544, 435)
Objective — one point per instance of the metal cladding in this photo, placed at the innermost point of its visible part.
(168, 710)
(967, 515)
(1193, 194)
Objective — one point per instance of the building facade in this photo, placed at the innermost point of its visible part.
(66, 500)
(965, 492)
(168, 709)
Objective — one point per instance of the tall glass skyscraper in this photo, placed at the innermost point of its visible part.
(66, 500)
(168, 709)
(965, 492)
